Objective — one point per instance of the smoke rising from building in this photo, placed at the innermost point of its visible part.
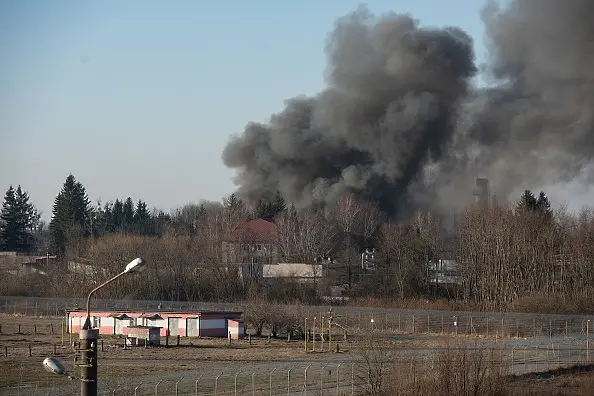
(400, 123)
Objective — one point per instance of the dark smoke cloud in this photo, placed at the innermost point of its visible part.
(536, 127)
(399, 122)
(390, 106)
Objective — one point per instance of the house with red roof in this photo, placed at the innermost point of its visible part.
(253, 247)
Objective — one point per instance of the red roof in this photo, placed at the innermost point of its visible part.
(257, 230)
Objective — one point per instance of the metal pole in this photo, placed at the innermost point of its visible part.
(588, 340)
(88, 367)
(338, 380)
(289, 381)
(305, 334)
(270, 382)
(177, 386)
(305, 380)
(197, 381)
(322, 333)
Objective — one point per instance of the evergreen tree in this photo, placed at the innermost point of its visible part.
(128, 215)
(270, 208)
(527, 202)
(117, 216)
(543, 205)
(142, 219)
(70, 215)
(18, 221)
(102, 224)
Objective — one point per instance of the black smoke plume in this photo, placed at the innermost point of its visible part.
(401, 124)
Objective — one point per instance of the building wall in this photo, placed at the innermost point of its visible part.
(235, 328)
(209, 324)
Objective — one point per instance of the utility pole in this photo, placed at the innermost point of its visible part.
(88, 365)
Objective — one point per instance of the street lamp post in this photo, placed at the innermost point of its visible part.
(89, 336)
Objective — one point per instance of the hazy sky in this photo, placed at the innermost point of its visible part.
(138, 98)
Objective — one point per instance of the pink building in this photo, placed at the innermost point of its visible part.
(184, 324)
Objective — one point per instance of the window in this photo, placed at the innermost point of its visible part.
(259, 247)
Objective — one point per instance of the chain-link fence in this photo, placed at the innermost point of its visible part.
(314, 378)
(330, 378)
(517, 344)
(350, 319)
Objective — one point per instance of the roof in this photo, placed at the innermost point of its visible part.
(150, 316)
(119, 316)
(257, 230)
(125, 313)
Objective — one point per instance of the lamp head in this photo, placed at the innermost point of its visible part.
(136, 265)
(54, 366)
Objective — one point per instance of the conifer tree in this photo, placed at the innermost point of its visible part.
(142, 219)
(18, 221)
(269, 208)
(128, 215)
(70, 215)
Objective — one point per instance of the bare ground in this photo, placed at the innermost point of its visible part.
(22, 350)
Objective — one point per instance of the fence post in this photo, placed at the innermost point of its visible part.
(177, 386)
(157, 387)
(289, 380)
(338, 380)
(217, 383)
(270, 381)
(565, 328)
(197, 381)
(305, 380)
(413, 324)
(352, 379)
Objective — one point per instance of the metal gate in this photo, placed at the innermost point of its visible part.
(173, 325)
(193, 327)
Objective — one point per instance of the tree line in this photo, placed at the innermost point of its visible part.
(507, 255)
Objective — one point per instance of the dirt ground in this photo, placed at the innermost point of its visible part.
(25, 341)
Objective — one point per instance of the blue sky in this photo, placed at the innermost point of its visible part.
(138, 98)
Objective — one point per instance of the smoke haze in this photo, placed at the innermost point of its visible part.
(400, 123)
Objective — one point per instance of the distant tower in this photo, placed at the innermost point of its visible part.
(481, 192)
